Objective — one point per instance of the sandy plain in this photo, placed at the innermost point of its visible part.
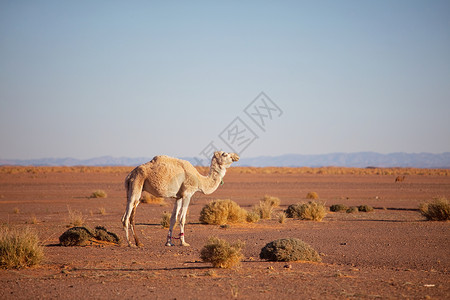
(391, 253)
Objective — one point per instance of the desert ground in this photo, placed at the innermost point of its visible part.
(391, 253)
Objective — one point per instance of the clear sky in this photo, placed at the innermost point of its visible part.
(139, 78)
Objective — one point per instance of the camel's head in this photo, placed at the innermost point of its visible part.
(225, 159)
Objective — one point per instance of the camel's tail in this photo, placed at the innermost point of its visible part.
(127, 182)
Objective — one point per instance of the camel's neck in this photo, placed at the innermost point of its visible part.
(210, 183)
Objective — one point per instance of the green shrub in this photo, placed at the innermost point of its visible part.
(289, 249)
(338, 207)
(293, 210)
(365, 208)
(83, 236)
(437, 210)
(353, 209)
(220, 212)
(19, 248)
(312, 210)
(221, 253)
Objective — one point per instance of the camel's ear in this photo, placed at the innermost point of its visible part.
(217, 154)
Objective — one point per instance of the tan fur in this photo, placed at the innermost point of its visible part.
(170, 177)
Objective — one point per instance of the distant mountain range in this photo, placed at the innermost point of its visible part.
(359, 160)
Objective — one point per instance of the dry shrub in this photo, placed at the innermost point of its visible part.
(282, 217)
(150, 199)
(400, 178)
(437, 210)
(365, 208)
(220, 212)
(236, 170)
(19, 248)
(76, 218)
(33, 219)
(338, 207)
(266, 206)
(312, 196)
(312, 210)
(98, 194)
(264, 210)
(289, 249)
(272, 201)
(165, 220)
(253, 216)
(221, 253)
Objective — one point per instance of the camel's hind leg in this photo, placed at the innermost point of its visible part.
(133, 230)
(128, 217)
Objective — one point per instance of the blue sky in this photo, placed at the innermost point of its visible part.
(141, 78)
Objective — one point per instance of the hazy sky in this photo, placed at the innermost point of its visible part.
(140, 78)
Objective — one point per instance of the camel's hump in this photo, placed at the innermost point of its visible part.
(160, 159)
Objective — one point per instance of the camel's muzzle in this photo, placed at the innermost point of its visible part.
(234, 157)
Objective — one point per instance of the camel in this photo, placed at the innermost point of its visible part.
(170, 177)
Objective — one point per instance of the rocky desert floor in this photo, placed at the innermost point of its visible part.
(391, 253)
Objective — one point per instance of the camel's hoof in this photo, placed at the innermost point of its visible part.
(185, 244)
(169, 244)
(140, 245)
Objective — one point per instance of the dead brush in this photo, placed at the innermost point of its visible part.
(281, 217)
(312, 196)
(19, 248)
(165, 220)
(314, 211)
(76, 218)
(266, 206)
(273, 201)
(264, 210)
(253, 216)
(98, 194)
(437, 210)
(221, 212)
(222, 254)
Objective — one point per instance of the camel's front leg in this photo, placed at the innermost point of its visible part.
(173, 220)
(186, 201)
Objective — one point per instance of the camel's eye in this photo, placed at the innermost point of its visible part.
(224, 154)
